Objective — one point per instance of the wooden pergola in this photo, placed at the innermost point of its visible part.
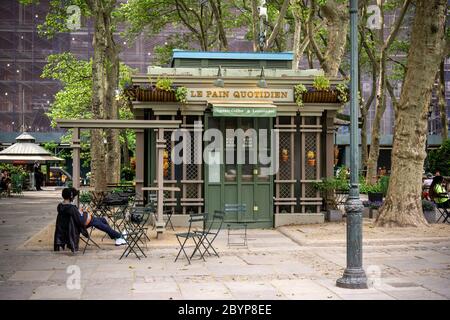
(139, 126)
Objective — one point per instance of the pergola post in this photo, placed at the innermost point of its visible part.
(160, 145)
(139, 126)
(76, 159)
(139, 163)
(329, 143)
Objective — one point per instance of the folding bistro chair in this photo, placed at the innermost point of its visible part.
(208, 236)
(139, 217)
(191, 234)
(136, 230)
(444, 213)
(239, 209)
(167, 213)
(89, 240)
(116, 215)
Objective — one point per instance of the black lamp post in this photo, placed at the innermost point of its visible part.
(354, 276)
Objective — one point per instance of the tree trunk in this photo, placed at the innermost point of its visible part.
(337, 21)
(218, 18)
(125, 150)
(105, 163)
(337, 18)
(276, 29)
(366, 106)
(297, 35)
(403, 206)
(442, 102)
(380, 106)
(98, 166)
(112, 110)
(255, 24)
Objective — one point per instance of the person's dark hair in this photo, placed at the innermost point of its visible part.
(69, 193)
(432, 192)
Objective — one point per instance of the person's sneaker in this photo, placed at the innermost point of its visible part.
(124, 234)
(120, 241)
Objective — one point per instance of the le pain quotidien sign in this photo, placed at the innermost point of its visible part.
(240, 94)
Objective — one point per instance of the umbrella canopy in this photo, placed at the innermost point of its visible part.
(25, 150)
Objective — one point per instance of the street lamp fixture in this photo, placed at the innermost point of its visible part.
(262, 83)
(219, 81)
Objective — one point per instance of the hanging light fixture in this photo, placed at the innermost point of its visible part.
(262, 83)
(219, 81)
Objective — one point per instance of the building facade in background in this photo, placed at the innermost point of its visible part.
(25, 96)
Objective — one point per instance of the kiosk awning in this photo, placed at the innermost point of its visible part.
(237, 109)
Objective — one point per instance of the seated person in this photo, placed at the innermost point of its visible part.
(426, 186)
(87, 220)
(5, 182)
(438, 193)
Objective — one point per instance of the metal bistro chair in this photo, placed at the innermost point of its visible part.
(116, 215)
(140, 215)
(191, 234)
(89, 239)
(135, 229)
(208, 236)
(443, 211)
(444, 214)
(166, 213)
(239, 209)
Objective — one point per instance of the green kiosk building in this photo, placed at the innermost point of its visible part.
(224, 91)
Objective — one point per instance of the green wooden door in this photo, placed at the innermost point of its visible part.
(242, 181)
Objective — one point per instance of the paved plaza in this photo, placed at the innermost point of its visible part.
(278, 264)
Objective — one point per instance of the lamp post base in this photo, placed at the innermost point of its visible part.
(353, 279)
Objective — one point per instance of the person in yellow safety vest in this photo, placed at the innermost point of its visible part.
(438, 193)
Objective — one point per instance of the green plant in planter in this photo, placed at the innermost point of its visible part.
(321, 83)
(384, 184)
(328, 188)
(181, 94)
(299, 90)
(342, 91)
(164, 84)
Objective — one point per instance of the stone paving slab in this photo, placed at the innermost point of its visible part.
(415, 295)
(12, 291)
(31, 276)
(113, 289)
(204, 290)
(55, 292)
(273, 266)
(156, 287)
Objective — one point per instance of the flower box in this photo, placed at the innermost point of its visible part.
(144, 94)
(321, 96)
